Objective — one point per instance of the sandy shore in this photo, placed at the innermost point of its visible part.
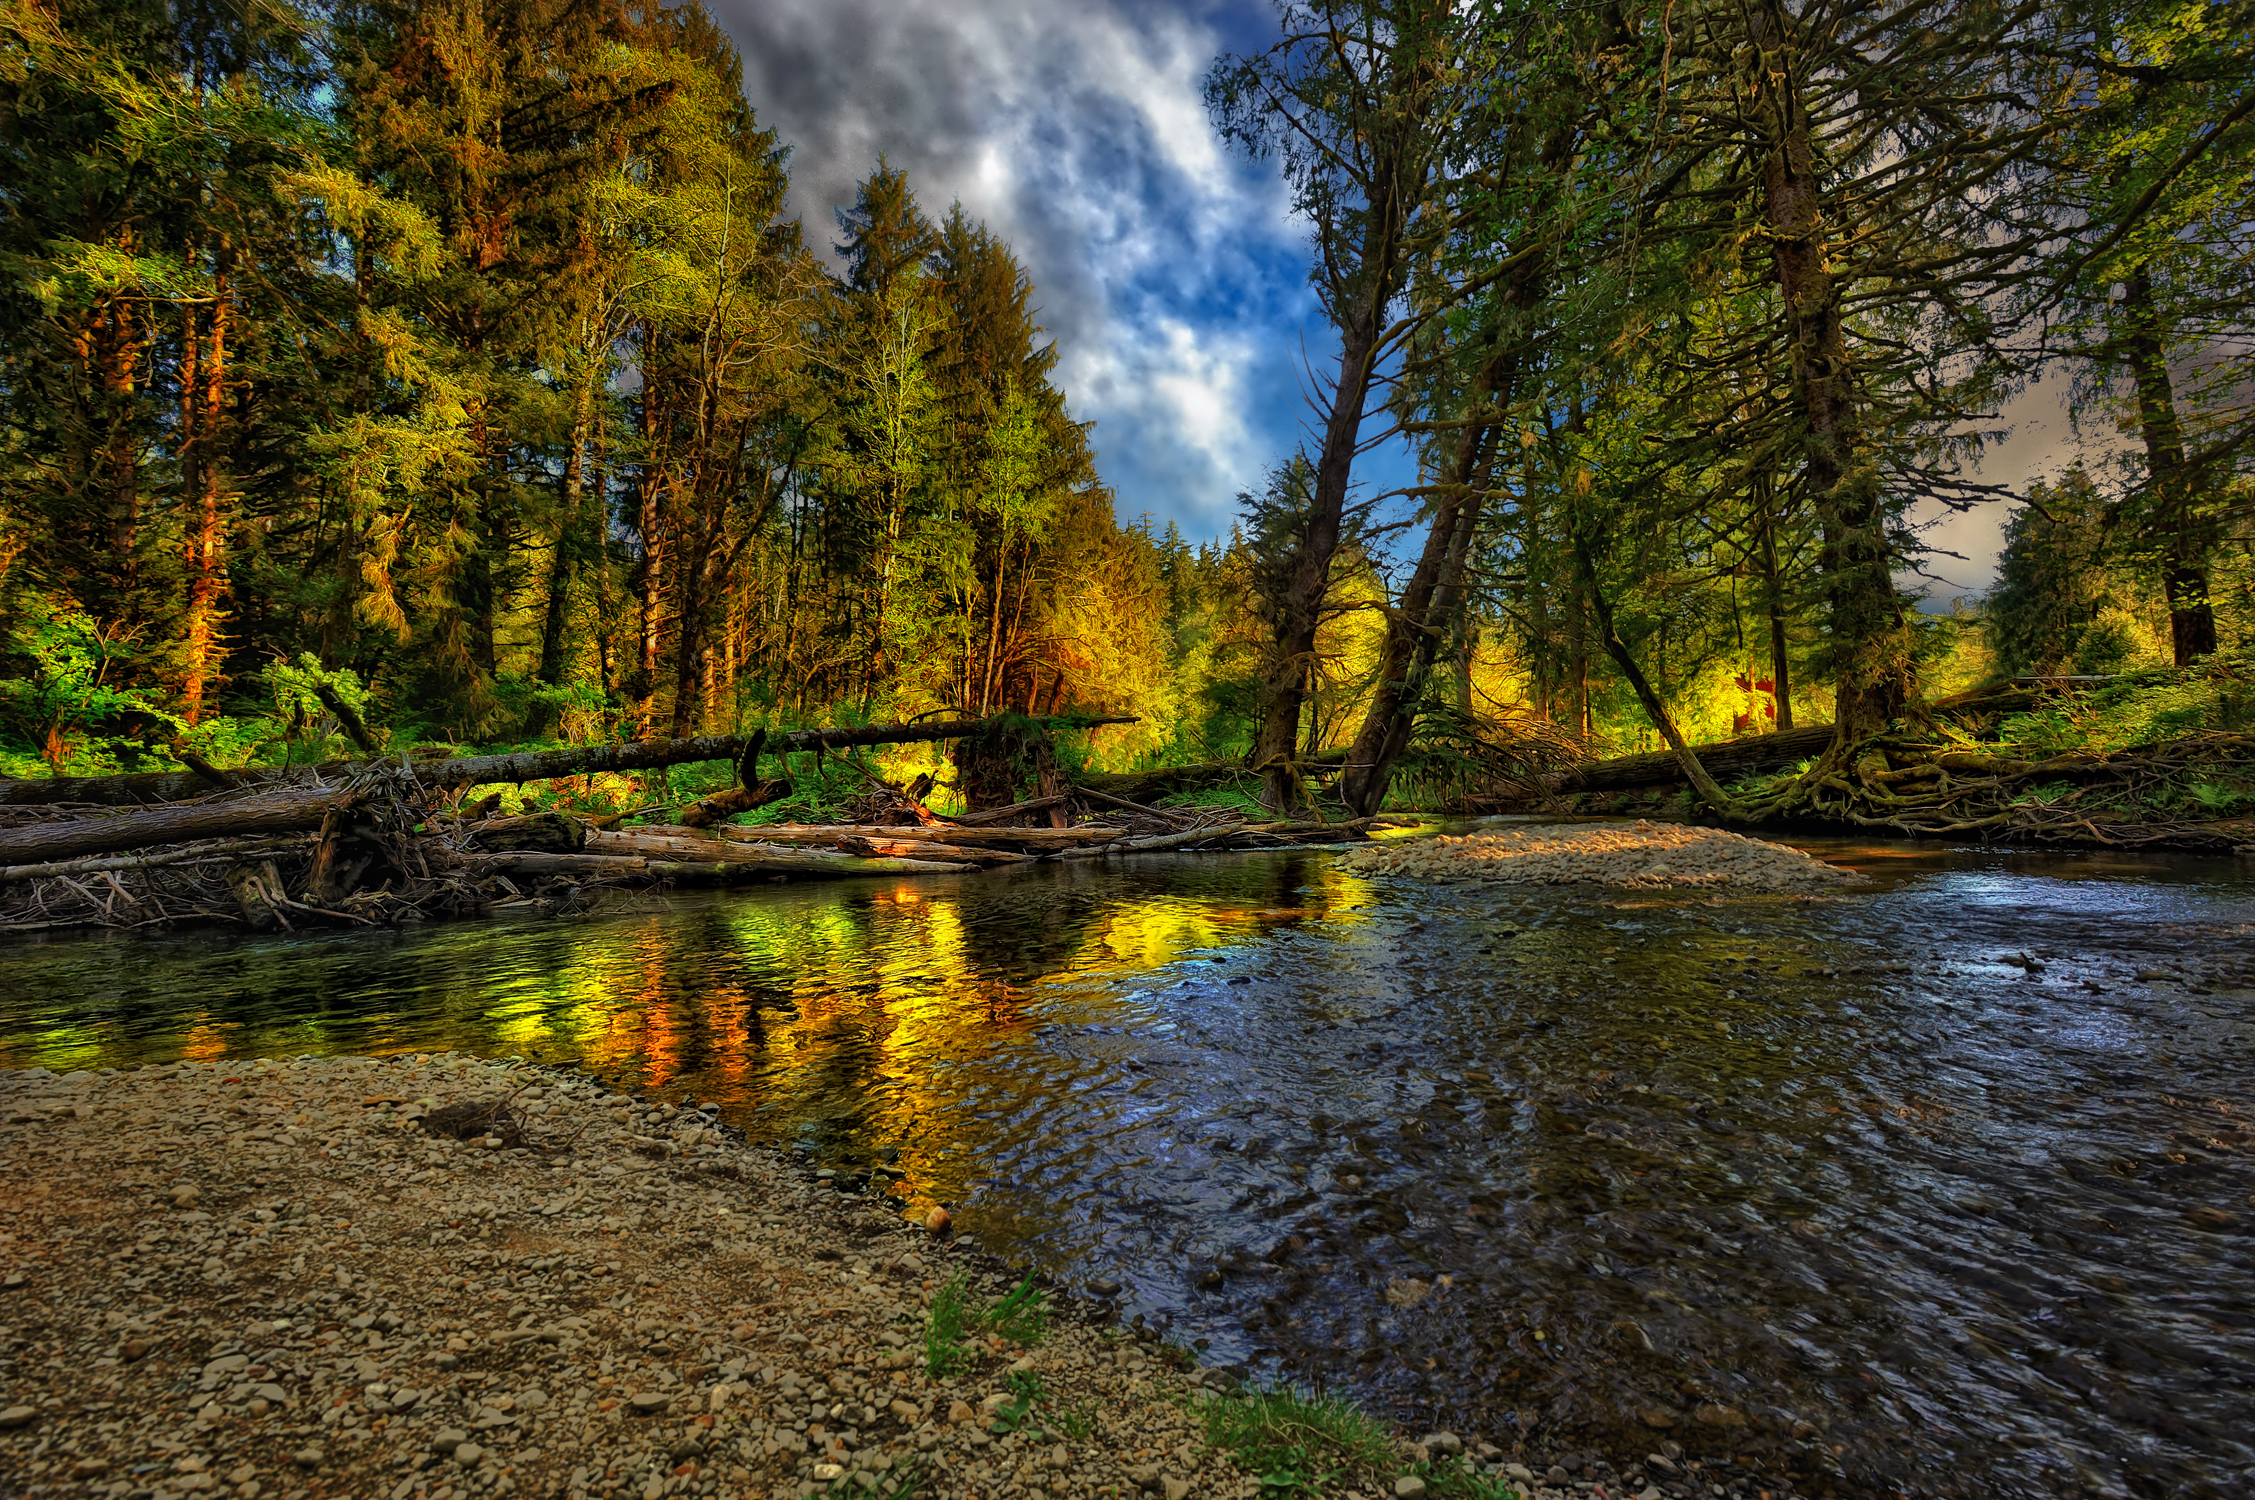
(1633, 856)
(276, 1279)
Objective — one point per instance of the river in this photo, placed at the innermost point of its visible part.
(1943, 1185)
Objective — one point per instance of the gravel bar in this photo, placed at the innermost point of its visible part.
(1632, 856)
(442, 1277)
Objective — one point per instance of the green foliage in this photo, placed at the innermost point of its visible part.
(1298, 1445)
(948, 1326)
(1020, 1316)
(956, 1317)
(1026, 1392)
(2141, 709)
(68, 684)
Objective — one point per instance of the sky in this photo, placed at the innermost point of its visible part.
(1169, 268)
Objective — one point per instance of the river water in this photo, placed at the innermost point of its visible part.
(1944, 1185)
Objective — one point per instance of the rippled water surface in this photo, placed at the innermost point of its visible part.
(1945, 1184)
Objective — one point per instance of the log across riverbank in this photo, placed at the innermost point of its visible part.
(392, 840)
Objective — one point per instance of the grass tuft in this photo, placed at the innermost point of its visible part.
(956, 1318)
(1298, 1445)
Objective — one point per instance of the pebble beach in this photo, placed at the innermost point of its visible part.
(1643, 855)
(441, 1277)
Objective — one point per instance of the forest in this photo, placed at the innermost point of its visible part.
(398, 373)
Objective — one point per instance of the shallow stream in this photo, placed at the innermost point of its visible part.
(1944, 1185)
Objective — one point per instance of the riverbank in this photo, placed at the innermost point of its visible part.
(439, 1277)
(1643, 855)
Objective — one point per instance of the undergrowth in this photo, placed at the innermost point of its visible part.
(1298, 1445)
(957, 1318)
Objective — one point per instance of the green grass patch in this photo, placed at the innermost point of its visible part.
(1299, 1445)
(1020, 1316)
(957, 1318)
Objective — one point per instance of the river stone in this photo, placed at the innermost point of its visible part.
(468, 1455)
(18, 1416)
(646, 1403)
(1104, 1286)
(1409, 1487)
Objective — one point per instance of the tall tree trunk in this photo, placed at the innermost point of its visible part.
(1585, 564)
(562, 565)
(650, 523)
(206, 553)
(1416, 631)
(1872, 663)
(1284, 686)
(121, 351)
(1773, 600)
(2184, 543)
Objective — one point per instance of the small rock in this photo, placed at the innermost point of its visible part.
(1409, 1487)
(89, 1468)
(937, 1221)
(959, 1412)
(183, 1195)
(646, 1403)
(1407, 1291)
(134, 1350)
(1104, 1286)
(18, 1416)
(309, 1458)
(1518, 1473)
(829, 1471)
(1660, 1463)
(1650, 1492)
(1711, 1415)
(1175, 1489)
(447, 1439)
(468, 1455)
(1144, 1477)
(447, 1361)
(1558, 1477)
(907, 1411)
(532, 1400)
(1441, 1442)
(1657, 1416)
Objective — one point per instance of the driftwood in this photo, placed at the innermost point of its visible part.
(886, 848)
(941, 833)
(1001, 815)
(741, 865)
(547, 832)
(531, 765)
(1726, 760)
(284, 811)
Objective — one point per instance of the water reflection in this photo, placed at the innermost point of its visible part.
(1943, 1185)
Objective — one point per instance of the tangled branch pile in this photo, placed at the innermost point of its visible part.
(2154, 795)
(391, 841)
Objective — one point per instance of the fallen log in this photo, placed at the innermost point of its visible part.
(938, 833)
(531, 765)
(215, 852)
(291, 810)
(735, 868)
(549, 832)
(1724, 760)
(997, 814)
(925, 849)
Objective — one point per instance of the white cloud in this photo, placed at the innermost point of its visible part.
(1169, 270)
